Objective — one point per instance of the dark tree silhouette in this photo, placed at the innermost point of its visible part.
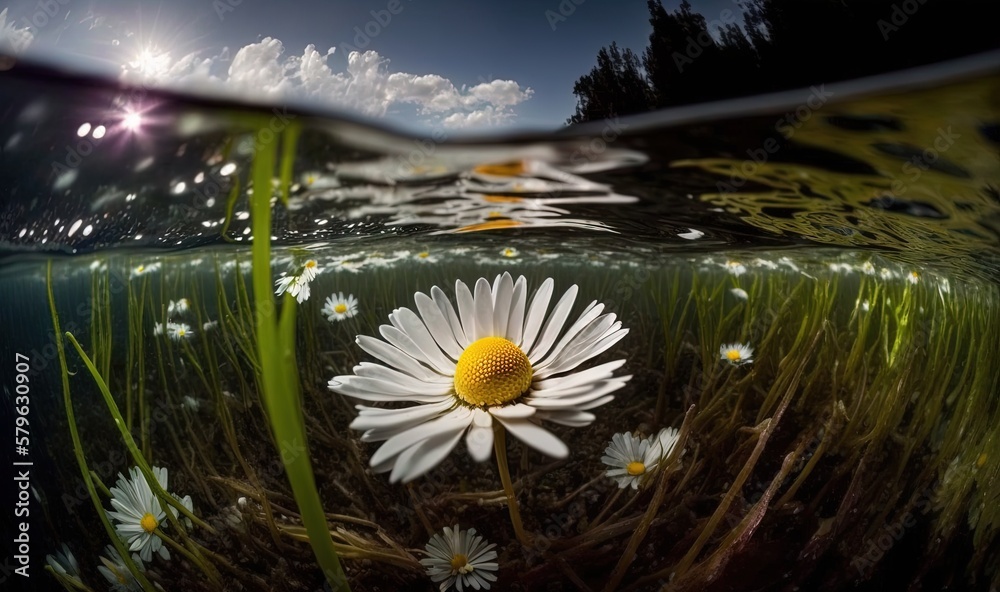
(615, 85)
(778, 44)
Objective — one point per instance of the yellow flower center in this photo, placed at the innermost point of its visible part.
(341, 308)
(311, 264)
(635, 468)
(458, 562)
(492, 371)
(181, 332)
(423, 255)
(733, 355)
(148, 523)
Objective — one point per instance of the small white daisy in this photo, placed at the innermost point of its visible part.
(739, 293)
(64, 564)
(628, 457)
(913, 277)
(633, 460)
(736, 354)
(143, 269)
(460, 559)
(309, 270)
(179, 331)
(734, 267)
(209, 325)
(158, 328)
(179, 307)
(867, 268)
(497, 358)
(294, 285)
(338, 307)
(139, 513)
(426, 257)
(116, 572)
(509, 252)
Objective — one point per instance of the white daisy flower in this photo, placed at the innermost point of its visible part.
(461, 560)
(629, 459)
(509, 252)
(209, 325)
(913, 277)
(178, 331)
(494, 359)
(736, 354)
(139, 513)
(116, 572)
(158, 328)
(739, 293)
(309, 270)
(294, 285)
(867, 268)
(632, 460)
(143, 269)
(64, 564)
(426, 257)
(338, 307)
(179, 307)
(734, 267)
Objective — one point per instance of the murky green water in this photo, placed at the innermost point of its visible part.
(803, 295)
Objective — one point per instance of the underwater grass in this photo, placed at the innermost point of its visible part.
(279, 375)
(78, 444)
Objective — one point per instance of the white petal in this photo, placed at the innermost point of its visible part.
(371, 389)
(515, 324)
(417, 331)
(535, 436)
(553, 325)
(398, 359)
(466, 310)
(373, 417)
(406, 382)
(418, 460)
(484, 309)
(516, 411)
(568, 417)
(559, 383)
(536, 314)
(404, 342)
(503, 291)
(479, 440)
(444, 305)
(456, 421)
(438, 325)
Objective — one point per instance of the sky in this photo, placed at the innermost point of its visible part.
(418, 64)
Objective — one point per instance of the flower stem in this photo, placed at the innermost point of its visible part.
(500, 445)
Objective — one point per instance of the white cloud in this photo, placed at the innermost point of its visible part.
(368, 86)
(12, 38)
